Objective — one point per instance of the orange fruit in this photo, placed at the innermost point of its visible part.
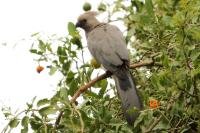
(154, 103)
(39, 69)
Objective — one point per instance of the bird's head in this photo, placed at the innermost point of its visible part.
(87, 21)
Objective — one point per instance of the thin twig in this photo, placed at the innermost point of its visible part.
(17, 115)
(81, 120)
(90, 84)
(192, 95)
(154, 124)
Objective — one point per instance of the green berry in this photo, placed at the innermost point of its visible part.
(87, 6)
(102, 7)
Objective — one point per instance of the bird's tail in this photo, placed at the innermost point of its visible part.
(127, 92)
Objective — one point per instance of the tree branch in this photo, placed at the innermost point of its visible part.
(90, 84)
(98, 78)
(147, 63)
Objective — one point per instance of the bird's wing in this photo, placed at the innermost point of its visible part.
(107, 45)
(119, 45)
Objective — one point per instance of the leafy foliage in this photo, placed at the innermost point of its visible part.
(167, 32)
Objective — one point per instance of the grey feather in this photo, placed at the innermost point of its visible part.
(128, 95)
(107, 41)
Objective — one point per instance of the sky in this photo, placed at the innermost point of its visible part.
(19, 81)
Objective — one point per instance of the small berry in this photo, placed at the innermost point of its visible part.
(102, 7)
(87, 6)
(94, 63)
(40, 68)
(154, 103)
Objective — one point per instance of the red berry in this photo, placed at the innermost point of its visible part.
(39, 69)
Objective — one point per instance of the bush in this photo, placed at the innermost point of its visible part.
(165, 35)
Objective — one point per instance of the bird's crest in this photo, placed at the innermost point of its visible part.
(88, 14)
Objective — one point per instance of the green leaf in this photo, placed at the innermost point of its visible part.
(25, 121)
(73, 87)
(6, 111)
(40, 53)
(34, 34)
(43, 102)
(92, 94)
(149, 7)
(47, 110)
(73, 54)
(139, 119)
(77, 41)
(61, 54)
(195, 54)
(145, 19)
(103, 85)
(70, 76)
(53, 70)
(71, 29)
(42, 46)
(37, 118)
(34, 51)
(194, 33)
(25, 130)
(29, 105)
(178, 19)
(85, 117)
(195, 72)
(162, 126)
(48, 45)
(165, 60)
(13, 123)
(66, 66)
(35, 125)
(85, 65)
(59, 50)
(167, 20)
(63, 93)
(154, 80)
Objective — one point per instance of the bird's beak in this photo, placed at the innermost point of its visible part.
(78, 24)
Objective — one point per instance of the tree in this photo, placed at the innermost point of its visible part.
(165, 36)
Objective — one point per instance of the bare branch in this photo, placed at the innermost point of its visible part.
(90, 84)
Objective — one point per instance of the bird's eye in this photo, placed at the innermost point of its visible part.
(84, 20)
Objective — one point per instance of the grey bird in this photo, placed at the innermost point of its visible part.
(108, 47)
